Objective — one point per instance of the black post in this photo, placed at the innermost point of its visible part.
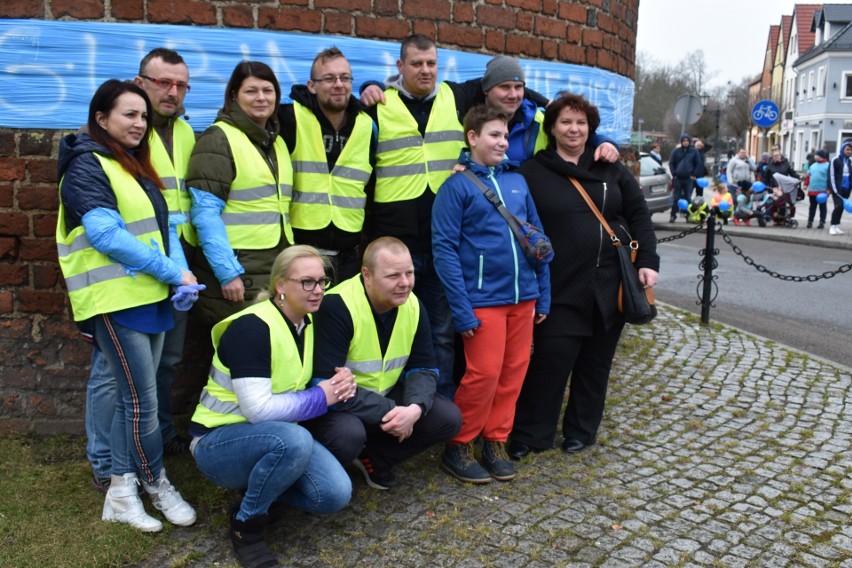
(716, 159)
(706, 296)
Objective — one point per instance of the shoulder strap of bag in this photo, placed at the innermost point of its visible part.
(634, 245)
(491, 196)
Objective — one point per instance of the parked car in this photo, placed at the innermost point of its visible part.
(656, 184)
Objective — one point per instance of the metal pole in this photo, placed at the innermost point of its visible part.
(706, 296)
(716, 159)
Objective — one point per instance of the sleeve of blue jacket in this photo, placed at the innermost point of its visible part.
(542, 271)
(108, 235)
(447, 213)
(206, 215)
(175, 248)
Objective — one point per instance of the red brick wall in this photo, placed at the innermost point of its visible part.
(43, 363)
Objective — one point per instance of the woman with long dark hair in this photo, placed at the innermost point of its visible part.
(119, 256)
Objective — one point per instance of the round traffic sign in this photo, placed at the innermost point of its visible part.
(687, 109)
(765, 113)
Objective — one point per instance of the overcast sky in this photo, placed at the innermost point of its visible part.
(732, 33)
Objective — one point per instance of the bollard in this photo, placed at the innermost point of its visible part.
(708, 263)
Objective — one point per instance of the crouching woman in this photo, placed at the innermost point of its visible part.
(244, 431)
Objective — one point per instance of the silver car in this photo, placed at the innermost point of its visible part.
(656, 184)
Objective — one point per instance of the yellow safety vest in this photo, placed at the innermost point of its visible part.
(218, 404)
(406, 162)
(371, 370)
(541, 137)
(97, 285)
(172, 172)
(258, 205)
(320, 197)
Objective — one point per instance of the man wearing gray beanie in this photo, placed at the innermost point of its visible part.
(503, 85)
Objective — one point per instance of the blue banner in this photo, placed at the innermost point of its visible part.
(50, 69)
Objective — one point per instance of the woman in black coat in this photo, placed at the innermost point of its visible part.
(579, 337)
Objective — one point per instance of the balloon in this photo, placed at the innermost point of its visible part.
(702, 182)
(683, 204)
(758, 186)
(822, 197)
(724, 206)
(723, 178)
(847, 205)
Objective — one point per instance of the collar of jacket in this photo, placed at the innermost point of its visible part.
(263, 137)
(552, 160)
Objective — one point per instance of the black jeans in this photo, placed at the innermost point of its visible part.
(823, 209)
(837, 213)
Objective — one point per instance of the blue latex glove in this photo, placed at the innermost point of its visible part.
(186, 295)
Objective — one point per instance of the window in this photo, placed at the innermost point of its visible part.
(811, 87)
(802, 87)
(847, 85)
(820, 82)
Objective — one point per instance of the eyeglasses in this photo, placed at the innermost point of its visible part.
(166, 84)
(309, 284)
(332, 79)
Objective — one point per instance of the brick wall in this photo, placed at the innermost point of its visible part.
(43, 363)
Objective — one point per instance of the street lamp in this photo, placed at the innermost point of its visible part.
(705, 100)
(641, 139)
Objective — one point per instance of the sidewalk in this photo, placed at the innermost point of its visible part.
(717, 449)
(799, 235)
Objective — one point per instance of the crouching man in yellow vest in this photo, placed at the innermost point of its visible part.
(373, 325)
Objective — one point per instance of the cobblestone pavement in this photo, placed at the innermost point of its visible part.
(717, 449)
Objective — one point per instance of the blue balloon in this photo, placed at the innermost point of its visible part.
(758, 186)
(822, 197)
(702, 182)
(724, 206)
(723, 178)
(683, 204)
(847, 205)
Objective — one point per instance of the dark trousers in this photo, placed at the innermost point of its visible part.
(837, 213)
(588, 361)
(682, 190)
(346, 436)
(823, 208)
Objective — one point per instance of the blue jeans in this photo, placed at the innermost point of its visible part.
(430, 290)
(273, 461)
(133, 356)
(100, 396)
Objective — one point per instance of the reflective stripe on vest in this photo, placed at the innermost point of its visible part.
(172, 172)
(258, 205)
(218, 404)
(96, 284)
(371, 370)
(320, 197)
(407, 163)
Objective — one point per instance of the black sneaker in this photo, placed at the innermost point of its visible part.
(460, 462)
(672, 219)
(376, 477)
(249, 544)
(177, 446)
(496, 461)
(101, 483)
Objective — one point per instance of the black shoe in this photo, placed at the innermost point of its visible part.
(376, 476)
(496, 461)
(249, 544)
(519, 450)
(572, 445)
(101, 483)
(177, 446)
(821, 226)
(460, 462)
(672, 219)
(810, 224)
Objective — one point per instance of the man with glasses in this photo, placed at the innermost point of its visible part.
(373, 325)
(164, 77)
(331, 143)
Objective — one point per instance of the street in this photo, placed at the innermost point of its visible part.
(815, 317)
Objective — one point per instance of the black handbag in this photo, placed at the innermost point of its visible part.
(532, 240)
(635, 301)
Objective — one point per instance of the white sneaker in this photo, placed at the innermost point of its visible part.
(838, 230)
(166, 498)
(123, 505)
(832, 230)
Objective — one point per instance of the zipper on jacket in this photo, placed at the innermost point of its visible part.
(511, 235)
(481, 264)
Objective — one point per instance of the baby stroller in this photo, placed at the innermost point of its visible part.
(782, 212)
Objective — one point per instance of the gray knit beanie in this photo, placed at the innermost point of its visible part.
(501, 68)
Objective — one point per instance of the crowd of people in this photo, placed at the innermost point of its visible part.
(338, 248)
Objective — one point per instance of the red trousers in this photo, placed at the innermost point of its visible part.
(497, 358)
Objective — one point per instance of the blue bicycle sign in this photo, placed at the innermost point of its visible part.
(764, 113)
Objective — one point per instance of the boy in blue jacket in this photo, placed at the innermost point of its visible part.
(495, 294)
